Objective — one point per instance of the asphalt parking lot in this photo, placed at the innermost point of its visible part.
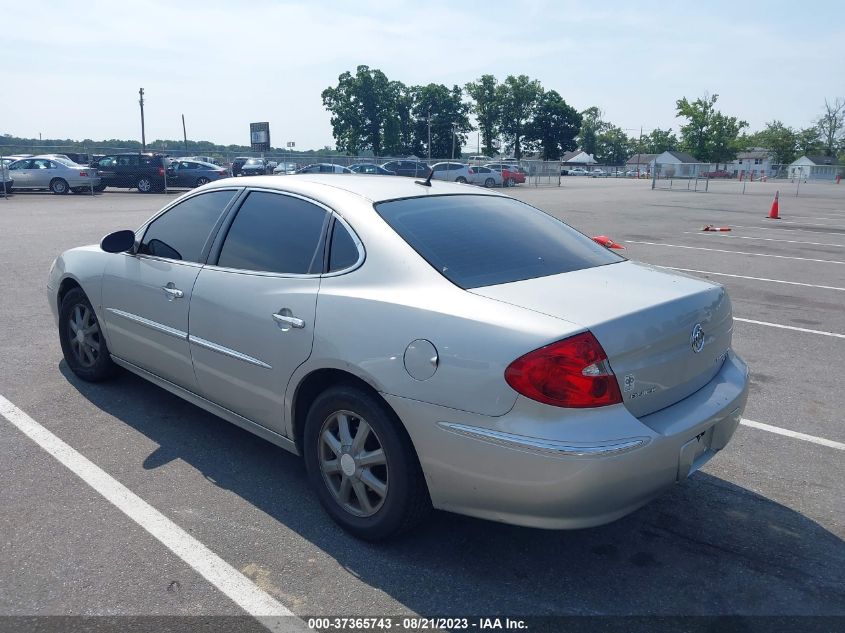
(758, 532)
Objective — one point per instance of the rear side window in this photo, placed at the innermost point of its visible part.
(274, 233)
(343, 253)
(181, 232)
(477, 241)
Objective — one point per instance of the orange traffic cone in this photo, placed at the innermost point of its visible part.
(773, 214)
(605, 241)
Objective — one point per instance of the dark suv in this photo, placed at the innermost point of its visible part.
(145, 172)
(407, 167)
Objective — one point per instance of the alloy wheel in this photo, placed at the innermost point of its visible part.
(353, 463)
(83, 333)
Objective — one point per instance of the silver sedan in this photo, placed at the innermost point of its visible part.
(420, 344)
(55, 173)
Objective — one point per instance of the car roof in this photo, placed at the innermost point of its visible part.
(318, 186)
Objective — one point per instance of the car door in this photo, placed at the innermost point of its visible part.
(21, 173)
(42, 172)
(146, 295)
(253, 308)
(107, 169)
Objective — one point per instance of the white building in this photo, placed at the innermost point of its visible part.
(679, 165)
(752, 164)
(816, 168)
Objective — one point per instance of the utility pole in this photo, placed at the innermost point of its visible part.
(184, 134)
(454, 125)
(141, 103)
(429, 134)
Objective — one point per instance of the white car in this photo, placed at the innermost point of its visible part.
(456, 172)
(578, 171)
(598, 173)
(486, 177)
(59, 175)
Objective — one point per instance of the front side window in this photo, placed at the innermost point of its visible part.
(21, 164)
(477, 241)
(275, 233)
(182, 231)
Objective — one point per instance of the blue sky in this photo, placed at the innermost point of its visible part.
(72, 70)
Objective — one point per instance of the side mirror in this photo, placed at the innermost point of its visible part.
(118, 242)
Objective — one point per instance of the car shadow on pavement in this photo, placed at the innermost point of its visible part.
(706, 547)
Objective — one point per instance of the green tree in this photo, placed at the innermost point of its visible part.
(696, 134)
(809, 141)
(448, 114)
(659, 141)
(517, 97)
(613, 147)
(360, 104)
(830, 125)
(399, 124)
(486, 109)
(779, 139)
(554, 125)
(722, 144)
(591, 126)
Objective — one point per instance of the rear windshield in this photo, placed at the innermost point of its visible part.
(477, 241)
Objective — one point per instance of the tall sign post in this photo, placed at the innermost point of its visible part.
(259, 137)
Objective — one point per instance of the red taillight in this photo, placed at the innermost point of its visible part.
(571, 373)
(83, 174)
(161, 171)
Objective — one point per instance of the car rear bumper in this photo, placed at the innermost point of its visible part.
(551, 468)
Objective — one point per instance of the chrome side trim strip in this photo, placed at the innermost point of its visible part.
(546, 447)
(214, 347)
(154, 325)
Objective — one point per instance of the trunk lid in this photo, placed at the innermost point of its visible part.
(644, 317)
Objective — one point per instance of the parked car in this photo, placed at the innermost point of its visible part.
(633, 173)
(237, 165)
(285, 168)
(486, 177)
(143, 171)
(59, 175)
(512, 174)
(369, 168)
(192, 173)
(324, 168)
(719, 173)
(598, 173)
(499, 364)
(255, 167)
(457, 172)
(413, 168)
(575, 171)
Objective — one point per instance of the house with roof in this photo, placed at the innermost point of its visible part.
(816, 168)
(644, 163)
(672, 164)
(752, 164)
(577, 158)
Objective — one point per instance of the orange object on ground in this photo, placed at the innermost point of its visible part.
(605, 241)
(774, 213)
(716, 229)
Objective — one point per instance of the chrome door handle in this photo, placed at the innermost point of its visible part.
(284, 319)
(171, 292)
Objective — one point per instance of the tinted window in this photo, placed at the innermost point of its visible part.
(274, 233)
(182, 231)
(478, 241)
(344, 253)
(21, 164)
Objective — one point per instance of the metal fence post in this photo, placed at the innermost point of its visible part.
(653, 175)
(3, 176)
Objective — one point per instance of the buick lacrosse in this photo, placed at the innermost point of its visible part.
(421, 344)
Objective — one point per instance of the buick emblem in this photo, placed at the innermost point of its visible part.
(697, 338)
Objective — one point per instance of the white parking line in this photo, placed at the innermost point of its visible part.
(790, 327)
(774, 281)
(827, 226)
(765, 239)
(772, 228)
(242, 591)
(793, 434)
(719, 250)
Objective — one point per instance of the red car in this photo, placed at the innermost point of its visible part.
(511, 174)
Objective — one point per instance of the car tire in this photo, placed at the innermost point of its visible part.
(461, 180)
(372, 502)
(511, 182)
(144, 185)
(88, 357)
(100, 188)
(201, 181)
(489, 183)
(59, 186)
